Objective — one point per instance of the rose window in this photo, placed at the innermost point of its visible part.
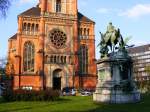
(58, 38)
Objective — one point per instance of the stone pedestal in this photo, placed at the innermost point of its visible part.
(115, 83)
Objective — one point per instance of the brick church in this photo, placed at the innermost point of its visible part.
(54, 47)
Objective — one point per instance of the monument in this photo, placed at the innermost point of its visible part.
(115, 76)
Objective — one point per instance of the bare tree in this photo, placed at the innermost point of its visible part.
(4, 5)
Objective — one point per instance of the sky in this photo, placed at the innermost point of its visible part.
(131, 16)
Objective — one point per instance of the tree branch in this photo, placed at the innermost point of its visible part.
(4, 6)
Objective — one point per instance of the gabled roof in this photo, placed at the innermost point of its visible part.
(34, 11)
(14, 37)
(81, 17)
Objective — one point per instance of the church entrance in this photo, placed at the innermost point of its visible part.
(57, 79)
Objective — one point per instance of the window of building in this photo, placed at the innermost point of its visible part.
(36, 28)
(80, 33)
(29, 28)
(58, 38)
(51, 59)
(83, 59)
(58, 61)
(64, 59)
(24, 27)
(88, 32)
(58, 5)
(32, 28)
(28, 59)
(84, 33)
(55, 59)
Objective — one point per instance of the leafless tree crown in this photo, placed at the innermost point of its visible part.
(4, 5)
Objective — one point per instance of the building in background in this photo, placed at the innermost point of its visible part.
(141, 60)
(54, 47)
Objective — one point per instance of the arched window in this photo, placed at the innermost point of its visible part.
(62, 61)
(36, 28)
(55, 59)
(88, 32)
(29, 28)
(80, 33)
(24, 27)
(70, 59)
(28, 57)
(32, 28)
(84, 31)
(51, 59)
(58, 5)
(58, 61)
(83, 59)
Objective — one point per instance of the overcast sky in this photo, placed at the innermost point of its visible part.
(131, 16)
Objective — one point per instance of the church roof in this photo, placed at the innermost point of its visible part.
(34, 11)
(13, 37)
(81, 17)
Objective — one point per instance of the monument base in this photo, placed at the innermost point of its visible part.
(115, 80)
(116, 97)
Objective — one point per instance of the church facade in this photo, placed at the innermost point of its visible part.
(54, 47)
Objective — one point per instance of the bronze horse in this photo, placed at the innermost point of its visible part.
(110, 39)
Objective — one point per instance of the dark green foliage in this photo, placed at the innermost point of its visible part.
(26, 95)
(144, 86)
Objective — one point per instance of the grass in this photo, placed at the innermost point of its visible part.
(74, 104)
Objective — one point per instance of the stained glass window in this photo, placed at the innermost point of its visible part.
(58, 38)
(83, 59)
(28, 59)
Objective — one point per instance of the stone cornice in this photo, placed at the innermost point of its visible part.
(59, 21)
(59, 15)
(31, 19)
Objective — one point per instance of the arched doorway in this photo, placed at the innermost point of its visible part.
(57, 79)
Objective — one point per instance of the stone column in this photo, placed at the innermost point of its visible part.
(18, 47)
(40, 51)
(76, 46)
(43, 6)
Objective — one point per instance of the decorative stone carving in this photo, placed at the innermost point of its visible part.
(58, 38)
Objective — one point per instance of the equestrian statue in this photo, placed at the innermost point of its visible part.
(111, 41)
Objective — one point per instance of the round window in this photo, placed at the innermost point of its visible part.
(58, 38)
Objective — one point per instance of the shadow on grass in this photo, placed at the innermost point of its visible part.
(19, 109)
(142, 106)
(64, 99)
(28, 107)
(2, 100)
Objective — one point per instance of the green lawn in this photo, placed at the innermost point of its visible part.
(74, 104)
